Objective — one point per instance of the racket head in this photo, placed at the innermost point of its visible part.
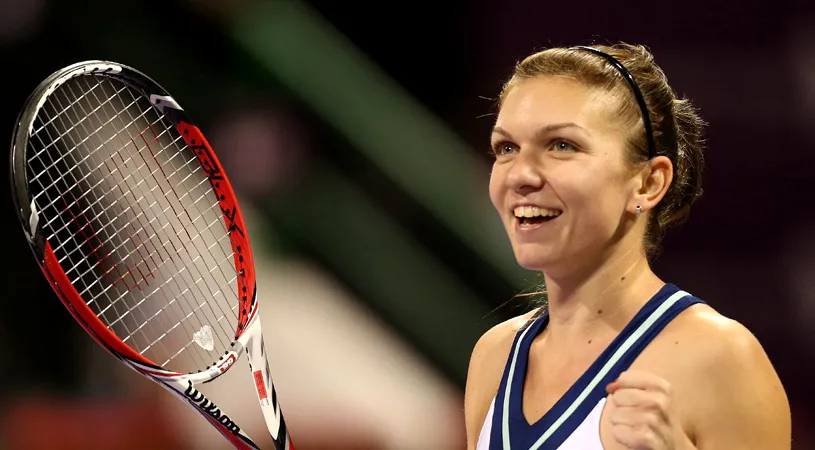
(64, 148)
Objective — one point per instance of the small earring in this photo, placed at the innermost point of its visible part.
(639, 210)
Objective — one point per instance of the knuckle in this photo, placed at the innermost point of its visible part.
(650, 439)
(651, 420)
(622, 434)
(662, 403)
(655, 403)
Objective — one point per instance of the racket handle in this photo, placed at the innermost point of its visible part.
(264, 387)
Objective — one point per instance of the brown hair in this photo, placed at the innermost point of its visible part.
(677, 128)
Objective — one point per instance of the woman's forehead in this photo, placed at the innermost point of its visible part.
(547, 100)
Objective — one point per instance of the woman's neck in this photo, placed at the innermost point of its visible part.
(602, 300)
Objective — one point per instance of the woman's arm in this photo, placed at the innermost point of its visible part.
(743, 404)
(486, 368)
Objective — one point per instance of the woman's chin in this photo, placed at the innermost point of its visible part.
(537, 260)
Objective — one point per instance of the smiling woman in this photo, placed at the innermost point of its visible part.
(594, 157)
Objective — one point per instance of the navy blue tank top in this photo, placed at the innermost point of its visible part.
(510, 429)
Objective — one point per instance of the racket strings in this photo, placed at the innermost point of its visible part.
(77, 181)
(67, 130)
(84, 233)
(134, 218)
(126, 313)
(65, 236)
(117, 199)
(177, 214)
(216, 238)
(74, 200)
(142, 228)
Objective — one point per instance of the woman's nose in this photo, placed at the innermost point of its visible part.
(525, 175)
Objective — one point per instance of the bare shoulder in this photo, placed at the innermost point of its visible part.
(486, 368)
(710, 340)
(732, 393)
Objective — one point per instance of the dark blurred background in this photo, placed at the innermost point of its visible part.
(356, 135)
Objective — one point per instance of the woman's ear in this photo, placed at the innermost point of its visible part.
(653, 181)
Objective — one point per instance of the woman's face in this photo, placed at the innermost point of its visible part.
(560, 182)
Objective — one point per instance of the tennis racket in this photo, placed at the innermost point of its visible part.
(137, 229)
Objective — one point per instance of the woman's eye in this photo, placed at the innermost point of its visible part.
(563, 146)
(503, 148)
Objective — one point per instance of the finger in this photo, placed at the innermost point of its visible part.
(635, 417)
(630, 397)
(649, 401)
(635, 379)
(633, 437)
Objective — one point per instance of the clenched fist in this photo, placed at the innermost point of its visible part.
(643, 417)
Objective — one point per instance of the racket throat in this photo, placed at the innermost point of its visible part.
(214, 413)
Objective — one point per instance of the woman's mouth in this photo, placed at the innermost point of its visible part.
(534, 215)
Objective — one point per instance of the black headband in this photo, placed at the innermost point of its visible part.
(646, 118)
